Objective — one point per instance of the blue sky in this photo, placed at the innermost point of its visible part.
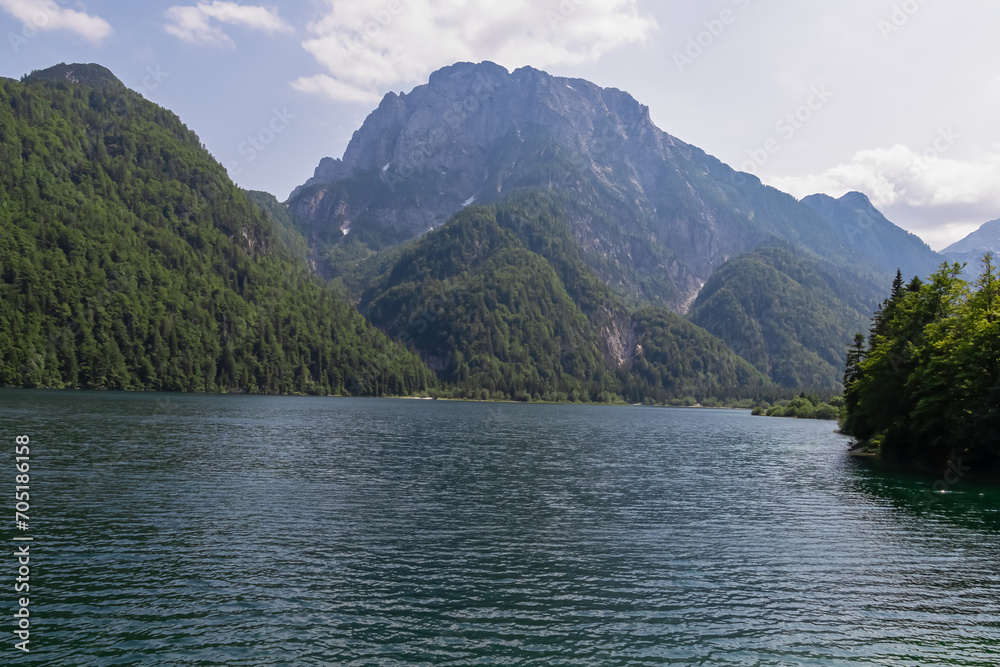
(896, 98)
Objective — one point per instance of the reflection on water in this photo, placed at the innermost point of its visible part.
(208, 530)
(951, 497)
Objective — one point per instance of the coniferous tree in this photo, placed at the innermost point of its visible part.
(928, 387)
(129, 260)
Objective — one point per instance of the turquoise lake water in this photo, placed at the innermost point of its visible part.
(228, 530)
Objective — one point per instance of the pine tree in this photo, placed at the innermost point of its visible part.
(855, 357)
(882, 319)
(989, 284)
(897, 287)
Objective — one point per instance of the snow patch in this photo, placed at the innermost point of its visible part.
(346, 230)
(386, 167)
(468, 202)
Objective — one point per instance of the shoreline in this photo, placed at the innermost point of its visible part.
(405, 398)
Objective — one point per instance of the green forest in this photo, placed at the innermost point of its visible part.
(501, 303)
(924, 388)
(129, 260)
(789, 316)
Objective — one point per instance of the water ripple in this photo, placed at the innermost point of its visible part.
(185, 530)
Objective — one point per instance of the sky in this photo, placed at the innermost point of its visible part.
(898, 99)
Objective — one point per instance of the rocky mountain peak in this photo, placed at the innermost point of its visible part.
(78, 73)
(470, 107)
(872, 236)
(653, 215)
(857, 199)
(328, 171)
(976, 244)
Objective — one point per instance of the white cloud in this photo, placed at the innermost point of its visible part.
(367, 50)
(192, 25)
(47, 15)
(255, 18)
(902, 176)
(195, 24)
(939, 197)
(338, 90)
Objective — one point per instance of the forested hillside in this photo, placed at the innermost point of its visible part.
(655, 216)
(924, 388)
(501, 304)
(789, 316)
(656, 219)
(129, 260)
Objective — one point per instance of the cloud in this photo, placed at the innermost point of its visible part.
(194, 24)
(366, 50)
(47, 15)
(190, 24)
(939, 197)
(902, 176)
(338, 90)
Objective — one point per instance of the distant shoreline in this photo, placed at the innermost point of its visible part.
(403, 398)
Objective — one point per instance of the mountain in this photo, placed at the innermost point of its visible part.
(972, 248)
(500, 302)
(791, 317)
(654, 215)
(285, 232)
(89, 74)
(872, 237)
(657, 220)
(129, 260)
(526, 235)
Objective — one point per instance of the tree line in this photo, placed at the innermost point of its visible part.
(924, 387)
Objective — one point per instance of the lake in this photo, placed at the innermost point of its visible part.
(233, 530)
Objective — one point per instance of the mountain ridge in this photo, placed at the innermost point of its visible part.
(656, 216)
(638, 227)
(885, 244)
(499, 302)
(129, 260)
(986, 238)
(90, 74)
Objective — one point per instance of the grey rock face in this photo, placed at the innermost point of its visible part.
(328, 171)
(654, 215)
(871, 236)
